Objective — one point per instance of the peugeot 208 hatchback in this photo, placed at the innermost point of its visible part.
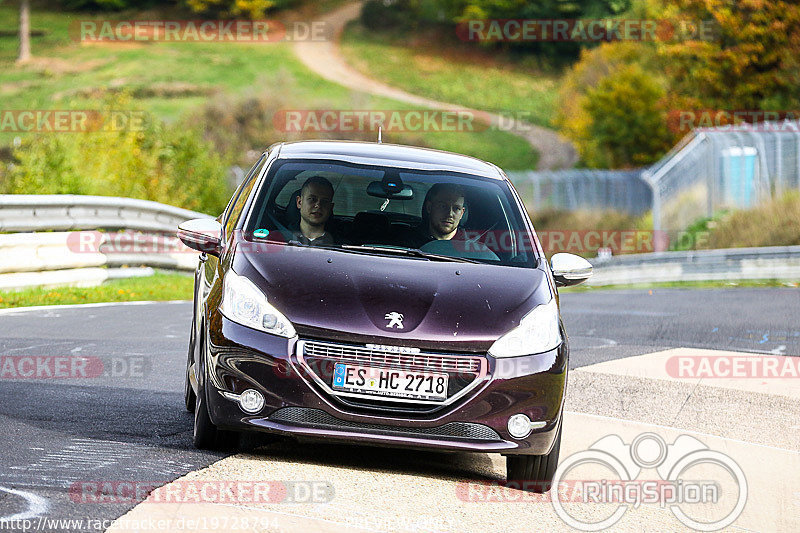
(426, 316)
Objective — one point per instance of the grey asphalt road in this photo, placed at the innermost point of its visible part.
(605, 325)
(126, 421)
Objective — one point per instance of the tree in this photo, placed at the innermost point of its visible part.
(749, 61)
(24, 31)
(612, 106)
(626, 121)
(252, 9)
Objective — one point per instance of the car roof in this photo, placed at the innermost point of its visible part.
(389, 155)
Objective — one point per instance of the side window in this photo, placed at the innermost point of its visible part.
(237, 205)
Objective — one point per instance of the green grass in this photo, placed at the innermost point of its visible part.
(63, 70)
(451, 73)
(161, 286)
(721, 284)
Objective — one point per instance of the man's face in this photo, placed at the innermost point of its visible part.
(315, 204)
(444, 213)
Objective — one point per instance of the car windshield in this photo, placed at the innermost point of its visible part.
(420, 214)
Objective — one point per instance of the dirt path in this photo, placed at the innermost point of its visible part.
(325, 59)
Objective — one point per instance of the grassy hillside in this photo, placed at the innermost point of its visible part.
(431, 65)
(169, 79)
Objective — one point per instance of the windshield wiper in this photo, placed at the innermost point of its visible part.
(409, 252)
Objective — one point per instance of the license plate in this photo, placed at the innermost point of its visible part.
(390, 382)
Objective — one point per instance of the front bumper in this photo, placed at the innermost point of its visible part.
(240, 358)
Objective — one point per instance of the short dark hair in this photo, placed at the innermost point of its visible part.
(445, 187)
(319, 180)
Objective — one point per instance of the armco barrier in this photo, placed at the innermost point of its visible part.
(772, 262)
(50, 256)
(46, 258)
(29, 212)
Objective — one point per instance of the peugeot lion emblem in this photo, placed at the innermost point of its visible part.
(395, 319)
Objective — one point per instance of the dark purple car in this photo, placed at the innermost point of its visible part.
(379, 294)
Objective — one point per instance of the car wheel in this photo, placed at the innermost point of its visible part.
(535, 472)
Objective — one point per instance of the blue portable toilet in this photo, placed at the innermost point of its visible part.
(739, 175)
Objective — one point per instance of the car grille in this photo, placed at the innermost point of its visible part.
(373, 357)
(305, 416)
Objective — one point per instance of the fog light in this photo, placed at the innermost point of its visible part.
(519, 426)
(251, 401)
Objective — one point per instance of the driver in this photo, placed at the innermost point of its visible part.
(441, 214)
(316, 206)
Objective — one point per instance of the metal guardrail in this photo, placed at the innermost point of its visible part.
(40, 253)
(30, 212)
(51, 258)
(773, 262)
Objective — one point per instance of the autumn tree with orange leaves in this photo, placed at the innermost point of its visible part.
(751, 63)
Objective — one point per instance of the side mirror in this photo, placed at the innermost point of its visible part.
(570, 269)
(201, 234)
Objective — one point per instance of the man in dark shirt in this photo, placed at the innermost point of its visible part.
(316, 206)
(441, 214)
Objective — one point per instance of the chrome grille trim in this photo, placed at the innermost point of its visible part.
(372, 357)
(480, 375)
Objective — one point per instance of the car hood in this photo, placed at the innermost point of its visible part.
(354, 297)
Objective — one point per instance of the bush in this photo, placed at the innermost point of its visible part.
(383, 15)
(626, 126)
(774, 223)
(613, 108)
(251, 9)
(238, 125)
(168, 164)
(112, 5)
(558, 229)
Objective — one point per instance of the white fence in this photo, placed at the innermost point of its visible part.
(617, 190)
(724, 168)
(138, 236)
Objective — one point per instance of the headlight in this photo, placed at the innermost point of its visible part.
(537, 332)
(242, 302)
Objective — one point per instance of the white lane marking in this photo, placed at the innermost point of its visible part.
(13, 310)
(606, 342)
(682, 430)
(7, 350)
(36, 505)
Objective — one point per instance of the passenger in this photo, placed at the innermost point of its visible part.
(316, 206)
(441, 214)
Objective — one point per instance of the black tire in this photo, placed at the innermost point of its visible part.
(189, 397)
(205, 432)
(206, 435)
(534, 473)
